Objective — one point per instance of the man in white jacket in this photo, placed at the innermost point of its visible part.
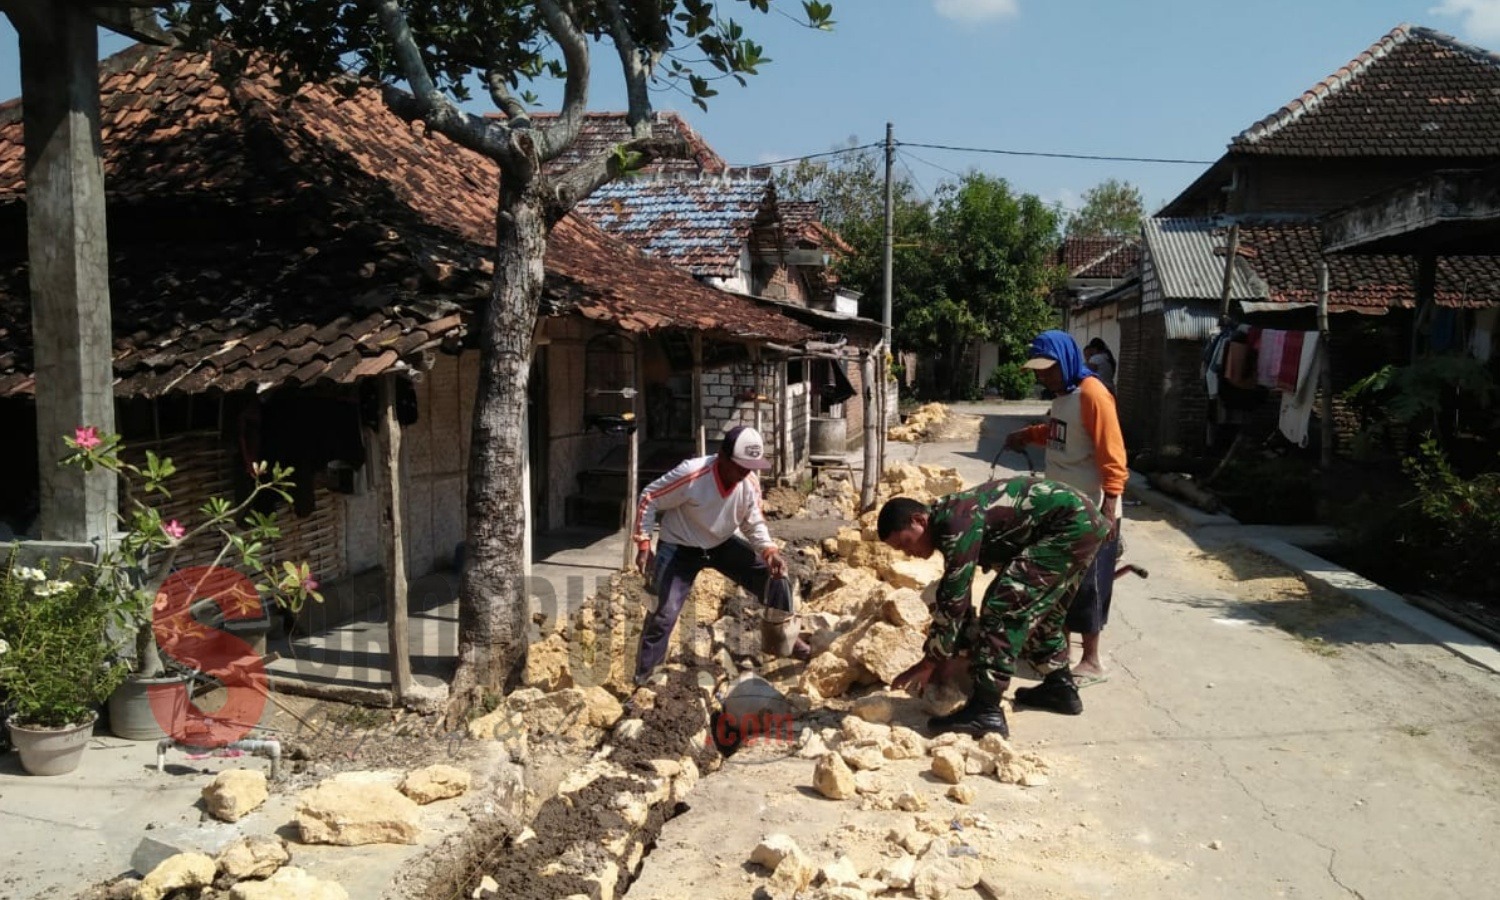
(710, 515)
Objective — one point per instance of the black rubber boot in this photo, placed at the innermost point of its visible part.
(1057, 693)
(977, 717)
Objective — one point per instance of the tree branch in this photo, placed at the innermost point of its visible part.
(425, 101)
(637, 70)
(575, 50)
(504, 100)
(583, 179)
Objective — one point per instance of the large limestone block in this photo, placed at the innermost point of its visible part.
(234, 794)
(547, 665)
(436, 782)
(181, 872)
(940, 481)
(290, 883)
(948, 764)
(833, 778)
(602, 709)
(887, 651)
(910, 572)
(830, 675)
(905, 608)
(253, 856)
(349, 813)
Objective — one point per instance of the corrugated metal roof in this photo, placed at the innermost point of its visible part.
(1188, 321)
(1182, 252)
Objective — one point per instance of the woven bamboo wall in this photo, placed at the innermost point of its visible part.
(205, 469)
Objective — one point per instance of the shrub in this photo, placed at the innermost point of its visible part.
(1455, 526)
(56, 661)
(1011, 381)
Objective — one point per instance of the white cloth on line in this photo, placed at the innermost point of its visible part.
(1296, 406)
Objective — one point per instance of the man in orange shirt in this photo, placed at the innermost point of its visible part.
(1085, 451)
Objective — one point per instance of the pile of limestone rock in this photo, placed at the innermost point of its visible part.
(349, 809)
(935, 422)
(930, 855)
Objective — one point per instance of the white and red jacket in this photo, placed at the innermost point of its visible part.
(699, 510)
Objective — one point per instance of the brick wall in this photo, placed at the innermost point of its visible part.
(1184, 400)
(723, 389)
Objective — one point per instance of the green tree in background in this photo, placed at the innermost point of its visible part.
(971, 266)
(425, 56)
(1111, 208)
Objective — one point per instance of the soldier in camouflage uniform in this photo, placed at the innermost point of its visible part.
(1041, 536)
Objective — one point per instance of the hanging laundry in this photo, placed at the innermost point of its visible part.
(1268, 357)
(1297, 403)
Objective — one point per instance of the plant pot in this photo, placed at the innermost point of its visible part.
(51, 751)
(130, 713)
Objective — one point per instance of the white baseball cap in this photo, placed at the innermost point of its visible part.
(745, 446)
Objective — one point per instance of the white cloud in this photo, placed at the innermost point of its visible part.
(1481, 18)
(980, 10)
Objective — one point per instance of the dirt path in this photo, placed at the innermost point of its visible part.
(1253, 741)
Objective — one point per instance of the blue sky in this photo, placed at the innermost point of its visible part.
(1153, 78)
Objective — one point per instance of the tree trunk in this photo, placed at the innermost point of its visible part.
(493, 604)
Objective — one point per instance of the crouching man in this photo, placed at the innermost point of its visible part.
(705, 504)
(1040, 536)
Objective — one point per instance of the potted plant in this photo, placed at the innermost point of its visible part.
(164, 609)
(56, 664)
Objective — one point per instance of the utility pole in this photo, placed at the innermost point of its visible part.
(889, 350)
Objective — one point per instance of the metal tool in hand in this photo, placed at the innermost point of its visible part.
(1025, 452)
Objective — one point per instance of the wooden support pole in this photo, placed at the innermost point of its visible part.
(699, 430)
(1426, 291)
(871, 468)
(69, 263)
(1227, 287)
(392, 540)
(1325, 374)
(633, 461)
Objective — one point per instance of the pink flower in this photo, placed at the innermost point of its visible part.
(87, 437)
(309, 584)
(174, 530)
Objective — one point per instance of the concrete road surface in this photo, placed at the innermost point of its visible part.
(1253, 741)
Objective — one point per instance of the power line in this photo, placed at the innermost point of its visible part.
(795, 159)
(1051, 155)
(930, 163)
(1047, 154)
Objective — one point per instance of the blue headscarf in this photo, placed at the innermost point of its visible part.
(1060, 347)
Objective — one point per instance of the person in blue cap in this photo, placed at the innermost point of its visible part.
(1086, 451)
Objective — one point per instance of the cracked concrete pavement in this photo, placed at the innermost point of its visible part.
(1254, 740)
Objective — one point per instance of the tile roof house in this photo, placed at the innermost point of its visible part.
(263, 249)
(735, 234)
(1414, 103)
(1095, 267)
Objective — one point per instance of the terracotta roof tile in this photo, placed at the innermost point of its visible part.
(700, 226)
(1285, 255)
(603, 130)
(1415, 92)
(400, 222)
(1099, 257)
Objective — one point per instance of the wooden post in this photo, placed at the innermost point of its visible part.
(633, 463)
(1325, 375)
(871, 469)
(1426, 290)
(1228, 285)
(391, 540)
(69, 263)
(699, 430)
(882, 369)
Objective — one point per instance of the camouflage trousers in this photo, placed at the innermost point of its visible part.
(1024, 609)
